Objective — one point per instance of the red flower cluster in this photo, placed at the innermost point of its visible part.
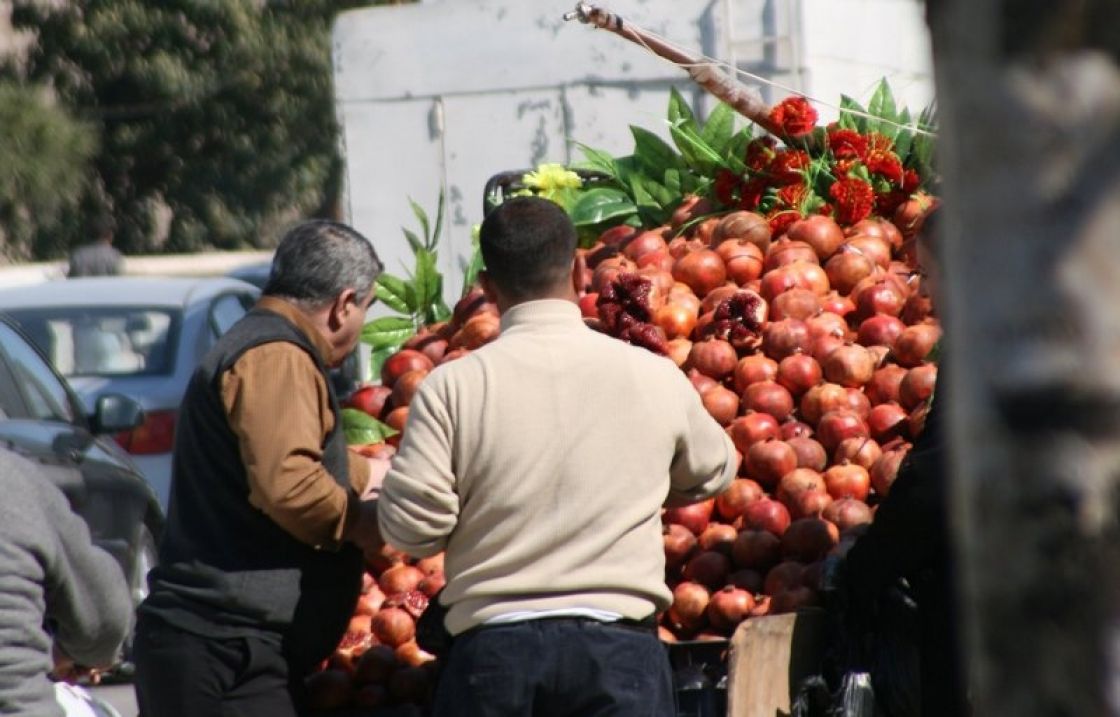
(795, 116)
(886, 164)
(788, 167)
(846, 143)
(854, 199)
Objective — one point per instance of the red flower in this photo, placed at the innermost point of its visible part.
(886, 164)
(854, 199)
(792, 195)
(843, 166)
(781, 220)
(760, 152)
(750, 194)
(788, 166)
(846, 143)
(726, 186)
(911, 181)
(879, 141)
(795, 116)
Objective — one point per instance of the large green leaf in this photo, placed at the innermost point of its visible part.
(413, 241)
(679, 111)
(361, 429)
(601, 204)
(653, 154)
(393, 292)
(427, 279)
(650, 210)
(598, 160)
(849, 120)
(905, 137)
(696, 151)
(719, 128)
(388, 331)
(422, 217)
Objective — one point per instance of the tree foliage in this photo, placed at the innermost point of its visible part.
(216, 115)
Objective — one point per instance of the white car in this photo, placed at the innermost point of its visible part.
(137, 336)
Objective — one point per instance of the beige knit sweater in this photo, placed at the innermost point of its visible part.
(540, 464)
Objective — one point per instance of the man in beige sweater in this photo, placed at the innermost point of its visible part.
(540, 463)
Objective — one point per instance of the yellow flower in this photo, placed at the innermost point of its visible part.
(551, 180)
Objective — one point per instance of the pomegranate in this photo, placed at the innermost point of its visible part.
(917, 385)
(884, 384)
(796, 482)
(821, 399)
(847, 513)
(885, 470)
(810, 453)
(850, 365)
(678, 351)
(834, 303)
(837, 425)
(432, 584)
(370, 399)
(709, 568)
(796, 429)
(748, 579)
(796, 303)
(785, 338)
(679, 544)
(915, 343)
(784, 576)
(846, 268)
(645, 243)
(756, 549)
(742, 259)
(874, 248)
(393, 626)
(676, 320)
(406, 386)
(714, 357)
(751, 428)
(329, 690)
(690, 604)
(847, 480)
(786, 251)
(767, 514)
(809, 539)
(375, 665)
(809, 503)
(753, 369)
(861, 451)
(880, 330)
(768, 397)
(401, 363)
(695, 517)
(798, 373)
(400, 579)
(702, 270)
(880, 297)
(732, 503)
(479, 330)
(412, 655)
(820, 232)
(718, 537)
(721, 403)
(744, 226)
(728, 607)
(887, 421)
(767, 461)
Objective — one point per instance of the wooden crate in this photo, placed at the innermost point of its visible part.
(768, 657)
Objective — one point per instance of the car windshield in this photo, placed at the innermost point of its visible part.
(103, 340)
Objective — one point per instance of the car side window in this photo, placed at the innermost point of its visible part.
(224, 313)
(46, 397)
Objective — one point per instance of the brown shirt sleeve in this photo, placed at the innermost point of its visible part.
(279, 408)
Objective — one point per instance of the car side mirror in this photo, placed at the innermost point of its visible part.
(115, 413)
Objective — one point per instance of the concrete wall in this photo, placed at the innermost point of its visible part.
(449, 92)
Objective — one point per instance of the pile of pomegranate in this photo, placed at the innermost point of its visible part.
(809, 348)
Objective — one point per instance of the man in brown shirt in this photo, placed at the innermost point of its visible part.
(261, 560)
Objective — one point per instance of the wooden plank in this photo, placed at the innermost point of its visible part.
(769, 656)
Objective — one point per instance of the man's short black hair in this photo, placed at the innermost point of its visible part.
(103, 226)
(528, 245)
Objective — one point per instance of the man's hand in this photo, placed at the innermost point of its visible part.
(66, 670)
(378, 467)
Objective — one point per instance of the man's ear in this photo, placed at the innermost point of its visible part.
(343, 304)
(487, 285)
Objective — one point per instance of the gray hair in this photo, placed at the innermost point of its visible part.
(318, 260)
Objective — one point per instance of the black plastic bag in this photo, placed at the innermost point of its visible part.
(855, 697)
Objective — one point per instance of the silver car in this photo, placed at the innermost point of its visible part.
(137, 336)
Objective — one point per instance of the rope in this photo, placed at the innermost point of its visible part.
(727, 67)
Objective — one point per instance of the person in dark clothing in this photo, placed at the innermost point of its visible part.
(98, 258)
(910, 539)
(262, 556)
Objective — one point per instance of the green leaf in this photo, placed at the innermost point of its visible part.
(599, 160)
(849, 120)
(654, 154)
(361, 429)
(388, 331)
(427, 280)
(650, 211)
(474, 266)
(719, 128)
(440, 208)
(413, 240)
(700, 155)
(905, 137)
(882, 106)
(601, 204)
(679, 111)
(672, 181)
(737, 147)
(378, 358)
(440, 312)
(422, 217)
(392, 291)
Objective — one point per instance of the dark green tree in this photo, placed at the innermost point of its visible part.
(44, 171)
(216, 113)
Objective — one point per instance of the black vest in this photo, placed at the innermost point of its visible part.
(226, 569)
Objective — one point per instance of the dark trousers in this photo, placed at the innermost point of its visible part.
(180, 673)
(553, 668)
